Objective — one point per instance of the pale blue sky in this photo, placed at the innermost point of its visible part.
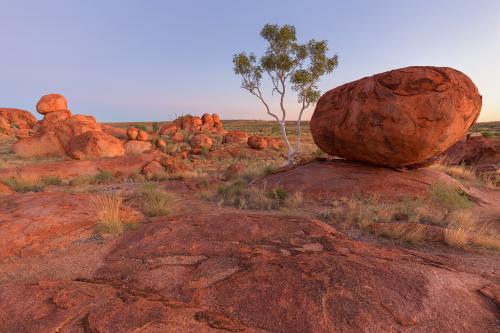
(150, 60)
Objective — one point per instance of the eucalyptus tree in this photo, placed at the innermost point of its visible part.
(288, 64)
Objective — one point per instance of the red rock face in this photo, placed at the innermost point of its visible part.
(200, 142)
(397, 118)
(483, 153)
(51, 103)
(94, 144)
(19, 118)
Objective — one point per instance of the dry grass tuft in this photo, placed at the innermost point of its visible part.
(456, 235)
(457, 171)
(154, 201)
(109, 213)
(411, 233)
(24, 184)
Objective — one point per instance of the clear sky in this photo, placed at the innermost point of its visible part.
(151, 60)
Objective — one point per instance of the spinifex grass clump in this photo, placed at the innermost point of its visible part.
(108, 209)
(240, 194)
(154, 201)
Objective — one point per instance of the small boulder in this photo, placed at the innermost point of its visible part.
(134, 147)
(153, 169)
(201, 142)
(236, 137)
(119, 133)
(160, 143)
(94, 144)
(257, 142)
(142, 136)
(207, 120)
(51, 103)
(132, 133)
(178, 137)
(169, 129)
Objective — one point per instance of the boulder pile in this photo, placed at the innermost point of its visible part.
(59, 133)
(400, 118)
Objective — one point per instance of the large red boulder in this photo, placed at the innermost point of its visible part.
(51, 103)
(94, 144)
(236, 137)
(397, 118)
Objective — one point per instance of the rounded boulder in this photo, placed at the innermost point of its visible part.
(51, 103)
(398, 118)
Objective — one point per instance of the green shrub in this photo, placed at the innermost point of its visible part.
(103, 177)
(448, 197)
(52, 180)
(154, 201)
(24, 184)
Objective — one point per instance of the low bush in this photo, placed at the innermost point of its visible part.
(240, 194)
(24, 184)
(154, 201)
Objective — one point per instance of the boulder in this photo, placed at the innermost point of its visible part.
(236, 137)
(169, 129)
(480, 152)
(17, 118)
(398, 118)
(274, 143)
(119, 133)
(132, 133)
(94, 144)
(134, 147)
(200, 142)
(142, 136)
(153, 169)
(177, 137)
(207, 120)
(160, 143)
(257, 142)
(54, 117)
(44, 144)
(216, 119)
(51, 103)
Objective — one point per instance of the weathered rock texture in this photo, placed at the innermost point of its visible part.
(51, 103)
(229, 272)
(94, 144)
(397, 118)
(333, 179)
(482, 153)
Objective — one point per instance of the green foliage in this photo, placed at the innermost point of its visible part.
(487, 134)
(155, 202)
(103, 177)
(141, 127)
(52, 180)
(156, 126)
(21, 184)
(448, 197)
(286, 62)
(286, 59)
